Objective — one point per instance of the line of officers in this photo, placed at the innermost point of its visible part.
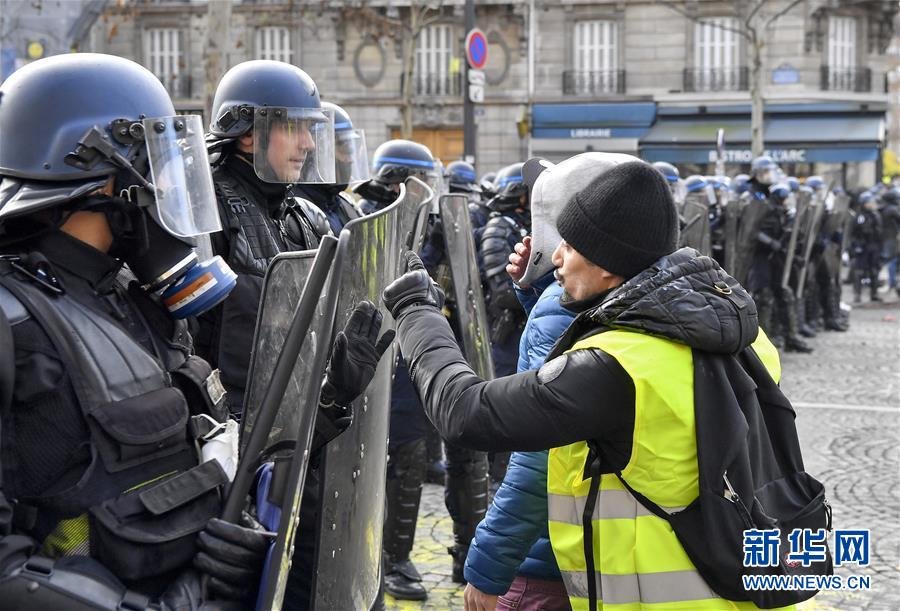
(785, 241)
(133, 248)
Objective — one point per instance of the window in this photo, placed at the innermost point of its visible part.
(596, 57)
(716, 55)
(162, 50)
(434, 51)
(841, 53)
(274, 43)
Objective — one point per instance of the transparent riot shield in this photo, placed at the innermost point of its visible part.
(836, 228)
(752, 212)
(469, 298)
(695, 232)
(815, 216)
(286, 292)
(347, 571)
(732, 212)
(796, 221)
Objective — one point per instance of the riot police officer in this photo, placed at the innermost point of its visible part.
(461, 178)
(890, 224)
(825, 289)
(865, 246)
(269, 130)
(269, 133)
(351, 167)
(105, 498)
(775, 303)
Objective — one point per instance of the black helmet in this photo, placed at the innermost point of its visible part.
(461, 177)
(668, 170)
(351, 157)
(396, 160)
(509, 186)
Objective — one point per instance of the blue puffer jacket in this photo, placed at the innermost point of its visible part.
(513, 539)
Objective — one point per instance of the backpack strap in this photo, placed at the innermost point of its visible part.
(7, 359)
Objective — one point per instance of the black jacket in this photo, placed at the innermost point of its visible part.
(583, 395)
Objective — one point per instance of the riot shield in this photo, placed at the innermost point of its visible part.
(470, 307)
(796, 220)
(695, 232)
(347, 572)
(291, 427)
(732, 212)
(836, 223)
(815, 216)
(751, 214)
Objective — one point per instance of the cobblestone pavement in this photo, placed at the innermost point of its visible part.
(847, 396)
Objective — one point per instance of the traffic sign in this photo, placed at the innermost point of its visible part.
(476, 93)
(476, 49)
(476, 77)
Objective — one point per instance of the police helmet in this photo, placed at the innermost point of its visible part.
(695, 183)
(70, 122)
(865, 197)
(793, 183)
(764, 170)
(461, 177)
(815, 182)
(780, 191)
(891, 197)
(740, 183)
(509, 186)
(668, 170)
(265, 95)
(396, 160)
(351, 158)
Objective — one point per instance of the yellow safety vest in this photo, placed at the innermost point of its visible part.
(639, 563)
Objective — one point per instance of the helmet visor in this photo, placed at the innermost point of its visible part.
(180, 173)
(767, 176)
(392, 171)
(351, 159)
(678, 189)
(294, 145)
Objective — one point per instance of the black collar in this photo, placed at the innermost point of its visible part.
(79, 259)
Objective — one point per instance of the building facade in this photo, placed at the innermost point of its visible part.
(656, 79)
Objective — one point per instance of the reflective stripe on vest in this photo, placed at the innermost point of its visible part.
(638, 559)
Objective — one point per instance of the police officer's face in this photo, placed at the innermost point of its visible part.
(290, 143)
(580, 278)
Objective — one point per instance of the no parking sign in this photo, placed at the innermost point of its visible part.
(476, 49)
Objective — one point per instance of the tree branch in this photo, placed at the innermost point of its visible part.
(754, 11)
(672, 6)
(783, 11)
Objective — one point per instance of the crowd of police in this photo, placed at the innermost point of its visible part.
(134, 245)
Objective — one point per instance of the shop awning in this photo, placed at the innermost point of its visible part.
(680, 138)
(592, 121)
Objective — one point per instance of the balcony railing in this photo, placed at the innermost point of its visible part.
(845, 79)
(435, 84)
(717, 79)
(593, 82)
(178, 85)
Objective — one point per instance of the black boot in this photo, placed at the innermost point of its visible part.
(466, 497)
(405, 474)
(795, 344)
(805, 329)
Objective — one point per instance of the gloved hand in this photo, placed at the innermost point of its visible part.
(415, 287)
(354, 357)
(232, 556)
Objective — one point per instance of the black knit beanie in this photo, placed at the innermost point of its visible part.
(624, 220)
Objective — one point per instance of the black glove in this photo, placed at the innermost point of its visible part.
(355, 355)
(415, 287)
(232, 556)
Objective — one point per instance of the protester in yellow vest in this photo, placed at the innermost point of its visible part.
(616, 393)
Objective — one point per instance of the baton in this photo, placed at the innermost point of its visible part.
(284, 366)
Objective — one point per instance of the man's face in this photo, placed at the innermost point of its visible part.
(290, 143)
(580, 278)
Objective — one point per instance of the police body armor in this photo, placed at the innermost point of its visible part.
(143, 498)
(253, 240)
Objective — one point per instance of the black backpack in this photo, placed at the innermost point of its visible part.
(750, 477)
